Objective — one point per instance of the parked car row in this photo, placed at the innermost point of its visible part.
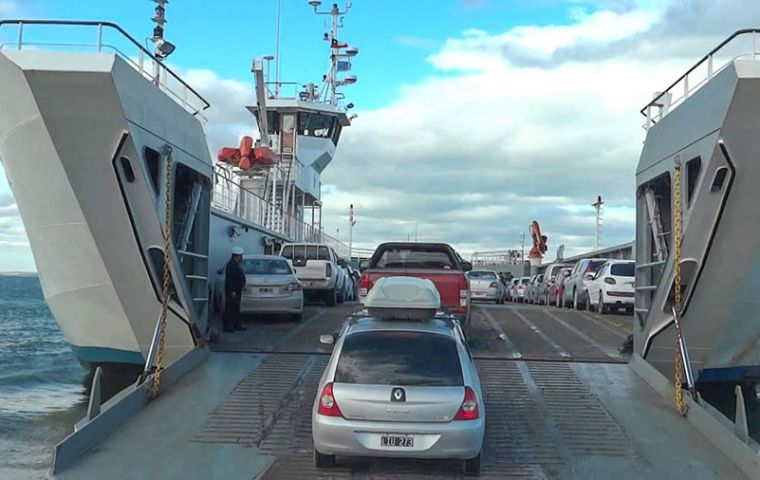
(596, 284)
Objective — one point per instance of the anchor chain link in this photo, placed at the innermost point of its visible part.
(166, 294)
(677, 232)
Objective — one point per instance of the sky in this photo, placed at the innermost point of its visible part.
(475, 117)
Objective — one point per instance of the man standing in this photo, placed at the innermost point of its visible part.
(234, 281)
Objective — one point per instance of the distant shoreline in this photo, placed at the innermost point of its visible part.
(19, 274)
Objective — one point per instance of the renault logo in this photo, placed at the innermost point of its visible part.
(398, 395)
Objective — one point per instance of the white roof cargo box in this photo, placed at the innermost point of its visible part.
(403, 298)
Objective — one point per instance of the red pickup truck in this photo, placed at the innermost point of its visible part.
(437, 262)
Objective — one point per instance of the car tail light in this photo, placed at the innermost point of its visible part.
(469, 409)
(609, 280)
(364, 286)
(295, 286)
(328, 270)
(493, 285)
(464, 287)
(327, 404)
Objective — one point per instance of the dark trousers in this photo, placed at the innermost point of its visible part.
(231, 315)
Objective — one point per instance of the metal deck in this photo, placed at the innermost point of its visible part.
(560, 402)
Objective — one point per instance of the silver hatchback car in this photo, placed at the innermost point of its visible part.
(400, 389)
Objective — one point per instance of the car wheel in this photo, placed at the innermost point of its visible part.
(601, 308)
(472, 465)
(332, 297)
(323, 461)
(575, 300)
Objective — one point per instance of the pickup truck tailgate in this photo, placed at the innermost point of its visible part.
(449, 284)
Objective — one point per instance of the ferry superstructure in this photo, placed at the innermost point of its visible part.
(98, 134)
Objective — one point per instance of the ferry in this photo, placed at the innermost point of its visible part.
(120, 160)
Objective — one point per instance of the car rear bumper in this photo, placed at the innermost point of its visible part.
(451, 440)
(317, 283)
(617, 298)
(487, 294)
(289, 304)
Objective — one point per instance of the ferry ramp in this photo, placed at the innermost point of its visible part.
(560, 402)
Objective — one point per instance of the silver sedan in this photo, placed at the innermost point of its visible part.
(399, 389)
(271, 286)
(486, 285)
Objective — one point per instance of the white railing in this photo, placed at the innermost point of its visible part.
(107, 36)
(699, 74)
(232, 198)
(497, 257)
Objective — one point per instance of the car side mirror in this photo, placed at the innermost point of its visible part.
(363, 265)
(466, 266)
(590, 276)
(327, 339)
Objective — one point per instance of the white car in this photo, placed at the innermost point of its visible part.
(318, 269)
(574, 291)
(613, 287)
(401, 382)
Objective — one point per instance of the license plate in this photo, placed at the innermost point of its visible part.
(266, 290)
(402, 441)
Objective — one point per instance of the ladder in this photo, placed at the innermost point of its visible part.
(655, 223)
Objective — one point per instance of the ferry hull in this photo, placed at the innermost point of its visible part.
(65, 120)
(715, 135)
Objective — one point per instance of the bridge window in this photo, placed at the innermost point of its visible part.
(316, 125)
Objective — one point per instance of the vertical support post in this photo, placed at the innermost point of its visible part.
(100, 37)
(754, 44)
(93, 407)
(351, 224)
(741, 429)
(686, 87)
(709, 66)
(141, 61)
(20, 34)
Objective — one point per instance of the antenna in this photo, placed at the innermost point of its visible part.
(161, 48)
(277, 52)
(598, 206)
(340, 53)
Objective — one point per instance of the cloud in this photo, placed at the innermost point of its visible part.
(529, 123)
(416, 42)
(8, 8)
(228, 119)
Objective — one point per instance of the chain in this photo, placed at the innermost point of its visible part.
(167, 279)
(677, 228)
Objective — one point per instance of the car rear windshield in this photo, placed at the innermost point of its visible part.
(482, 275)
(399, 358)
(525, 280)
(431, 257)
(622, 269)
(265, 266)
(306, 252)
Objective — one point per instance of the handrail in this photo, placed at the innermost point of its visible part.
(710, 73)
(87, 23)
(272, 217)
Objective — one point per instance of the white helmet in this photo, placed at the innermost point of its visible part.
(237, 250)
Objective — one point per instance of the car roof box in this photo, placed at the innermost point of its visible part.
(403, 298)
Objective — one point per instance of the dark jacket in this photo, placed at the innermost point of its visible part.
(234, 278)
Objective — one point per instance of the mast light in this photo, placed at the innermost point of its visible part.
(315, 4)
(352, 51)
